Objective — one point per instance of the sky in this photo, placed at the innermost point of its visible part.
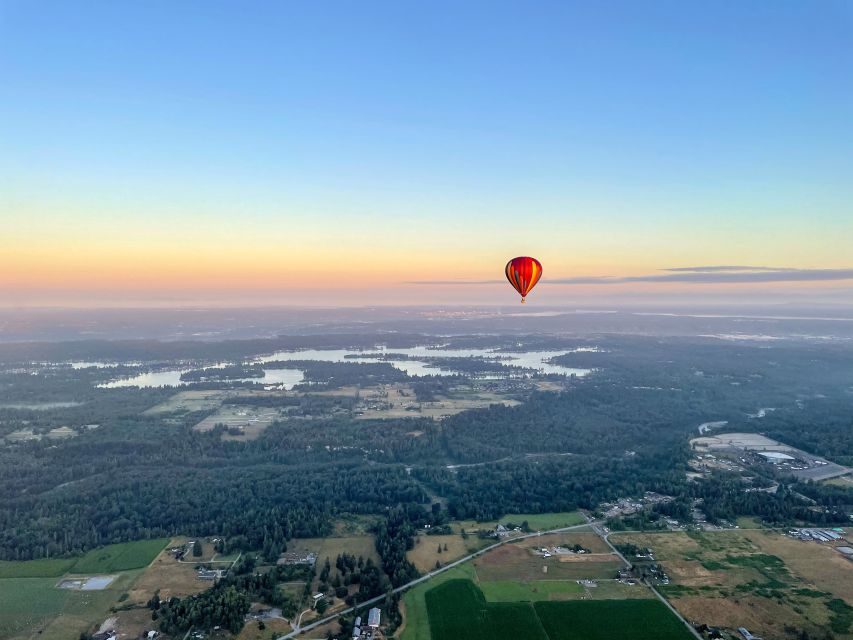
(240, 153)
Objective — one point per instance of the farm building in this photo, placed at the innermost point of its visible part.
(373, 617)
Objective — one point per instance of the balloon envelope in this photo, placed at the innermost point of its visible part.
(523, 273)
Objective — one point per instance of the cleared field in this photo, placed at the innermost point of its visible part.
(331, 548)
(512, 562)
(249, 421)
(399, 401)
(188, 401)
(274, 628)
(120, 557)
(536, 521)
(586, 539)
(425, 553)
(755, 578)
(36, 568)
(610, 620)
(533, 591)
(171, 577)
(34, 607)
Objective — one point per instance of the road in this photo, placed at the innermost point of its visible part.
(606, 537)
(424, 578)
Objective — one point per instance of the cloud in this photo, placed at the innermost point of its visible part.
(713, 274)
(718, 268)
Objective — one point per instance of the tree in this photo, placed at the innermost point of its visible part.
(197, 549)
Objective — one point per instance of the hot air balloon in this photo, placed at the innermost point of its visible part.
(523, 273)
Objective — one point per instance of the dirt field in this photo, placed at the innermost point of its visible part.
(512, 562)
(425, 553)
(251, 421)
(275, 626)
(399, 401)
(189, 401)
(588, 540)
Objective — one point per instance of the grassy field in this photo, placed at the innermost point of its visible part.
(425, 552)
(517, 563)
(51, 568)
(416, 626)
(31, 604)
(759, 579)
(34, 607)
(535, 591)
(610, 620)
(120, 557)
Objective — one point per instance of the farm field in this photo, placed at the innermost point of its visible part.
(458, 609)
(34, 607)
(425, 553)
(513, 562)
(249, 421)
(188, 401)
(759, 579)
(331, 548)
(414, 607)
(610, 620)
(120, 557)
(534, 591)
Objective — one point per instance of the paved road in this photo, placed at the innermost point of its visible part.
(606, 538)
(426, 577)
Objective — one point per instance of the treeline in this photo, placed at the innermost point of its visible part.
(394, 537)
(262, 505)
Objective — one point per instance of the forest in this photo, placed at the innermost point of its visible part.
(621, 431)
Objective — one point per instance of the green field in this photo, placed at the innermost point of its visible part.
(31, 603)
(533, 591)
(414, 601)
(458, 609)
(34, 607)
(110, 559)
(49, 568)
(610, 619)
(120, 557)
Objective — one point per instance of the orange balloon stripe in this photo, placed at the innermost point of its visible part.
(523, 273)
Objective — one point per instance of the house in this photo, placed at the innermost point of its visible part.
(373, 617)
(357, 622)
(501, 531)
(356, 632)
(746, 634)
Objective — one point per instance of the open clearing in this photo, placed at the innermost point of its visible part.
(534, 591)
(188, 401)
(59, 598)
(759, 579)
(513, 562)
(399, 401)
(247, 422)
(425, 553)
(35, 607)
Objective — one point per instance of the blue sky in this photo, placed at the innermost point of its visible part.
(611, 138)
